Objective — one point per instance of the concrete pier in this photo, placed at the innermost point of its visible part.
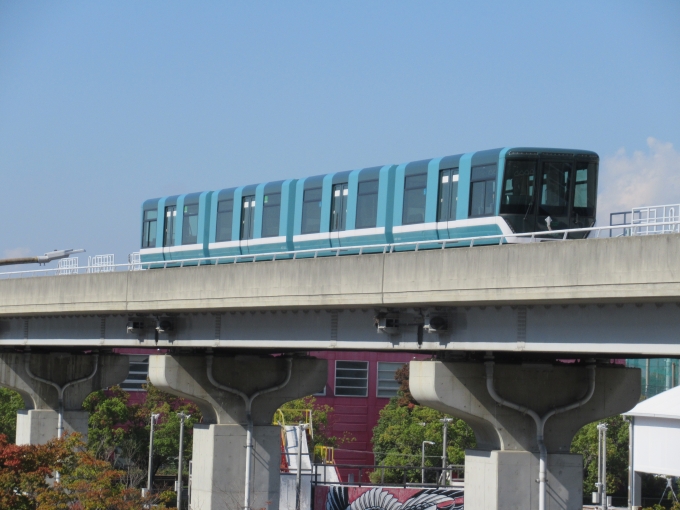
(219, 448)
(40, 379)
(502, 473)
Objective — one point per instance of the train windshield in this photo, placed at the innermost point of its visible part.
(549, 194)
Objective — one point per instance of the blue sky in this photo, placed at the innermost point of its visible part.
(105, 104)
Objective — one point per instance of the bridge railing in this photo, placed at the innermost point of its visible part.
(135, 264)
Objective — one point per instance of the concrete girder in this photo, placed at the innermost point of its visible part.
(37, 423)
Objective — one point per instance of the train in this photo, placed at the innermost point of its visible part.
(484, 193)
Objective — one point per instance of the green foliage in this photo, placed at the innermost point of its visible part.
(10, 403)
(585, 443)
(119, 431)
(401, 429)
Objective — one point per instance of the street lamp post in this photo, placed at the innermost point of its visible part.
(154, 418)
(445, 426)
(182, 416)
(422, 461)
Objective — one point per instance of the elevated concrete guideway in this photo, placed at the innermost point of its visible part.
(599, 295)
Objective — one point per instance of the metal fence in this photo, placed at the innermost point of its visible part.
(135, 264)
(392, 476)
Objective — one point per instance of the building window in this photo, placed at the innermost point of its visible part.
(225, 215)
(149, 229)
(139, 371)
(351, 378)
(190, 224)
(387, 385)
(483, 190)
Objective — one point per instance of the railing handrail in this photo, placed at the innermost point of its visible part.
(544, 235)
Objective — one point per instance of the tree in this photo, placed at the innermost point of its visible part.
(27, 478)
(10, 403)
(401, 430)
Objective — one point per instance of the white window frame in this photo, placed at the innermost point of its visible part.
(377, 376)
(335, 379)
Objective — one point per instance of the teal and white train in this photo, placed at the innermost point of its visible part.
(492, 192)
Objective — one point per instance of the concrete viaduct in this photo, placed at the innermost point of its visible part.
(496, 317)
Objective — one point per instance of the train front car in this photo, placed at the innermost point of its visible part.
(549, 189)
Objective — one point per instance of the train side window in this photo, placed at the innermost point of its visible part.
(247, 217)
(448, 194)
(483, 190)
(225, 216)
(190, 224)
(311, 211)
(338, 207)
(367, 204)
(585, 189)
(169, 233)
(517, 195)
(415, 190)
(271, 213)
(149, 229)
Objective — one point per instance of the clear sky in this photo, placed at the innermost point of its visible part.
(104, 104)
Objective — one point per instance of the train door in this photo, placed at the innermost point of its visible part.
(247, 221)
(447, 200)
(338, 212)
(169, 229)
(554, 195)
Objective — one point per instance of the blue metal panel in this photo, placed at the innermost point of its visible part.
(160, 224)
(299, 193)
(399, 177)
(326, 193)
(432, 190)
(179, 221)
(464, 170)
(386, 200)
(499, 185)
(352, 192)
(259, 205)
(204, 220)
(212, 227)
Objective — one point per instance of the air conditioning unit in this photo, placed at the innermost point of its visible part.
(136, 326)
(165, 325)
(387, 323)
(436, 324)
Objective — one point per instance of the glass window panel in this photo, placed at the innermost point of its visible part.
(169, 233)
(477, 196)
(190, 224)
(338, 207)
(518, 187)
(311, 211)
(367, 205)
(271, 214)
(585, 189)
(225, 216)
(554, 200)
(149, 226)
(483, 173)
(247, 217)
(415, 189)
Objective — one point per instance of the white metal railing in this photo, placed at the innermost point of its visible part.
(101, 264)
(656, 219)
(67, 266)
(528, 237)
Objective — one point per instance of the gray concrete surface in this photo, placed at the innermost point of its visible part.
(37, 423)
(219, 442)
(494, 479)
(621, 270)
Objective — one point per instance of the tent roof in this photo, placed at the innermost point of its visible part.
(663, 405)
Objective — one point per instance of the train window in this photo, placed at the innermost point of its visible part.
(225, 216)
(483, 190)
(585, 189)
(448, 194)
(554, 200)
(338, 207)
(169, 233)
(190, 224)
(247, 216)
(415, 190)
(311, 211)
(271, 213)
(367, 204)
(517, 195)
(149, 228)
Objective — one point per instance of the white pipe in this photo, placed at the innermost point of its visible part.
(60, 393)
(249, 419)
(540, 421)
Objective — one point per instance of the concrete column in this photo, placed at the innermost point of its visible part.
(219, 448)
(502, 473)
(37, 424)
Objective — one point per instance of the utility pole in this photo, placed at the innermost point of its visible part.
(445, 426)
(602, 464)
(182, 417)
(154, 418)
(298, 475)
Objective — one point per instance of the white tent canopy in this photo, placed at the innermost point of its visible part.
(656, 434)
